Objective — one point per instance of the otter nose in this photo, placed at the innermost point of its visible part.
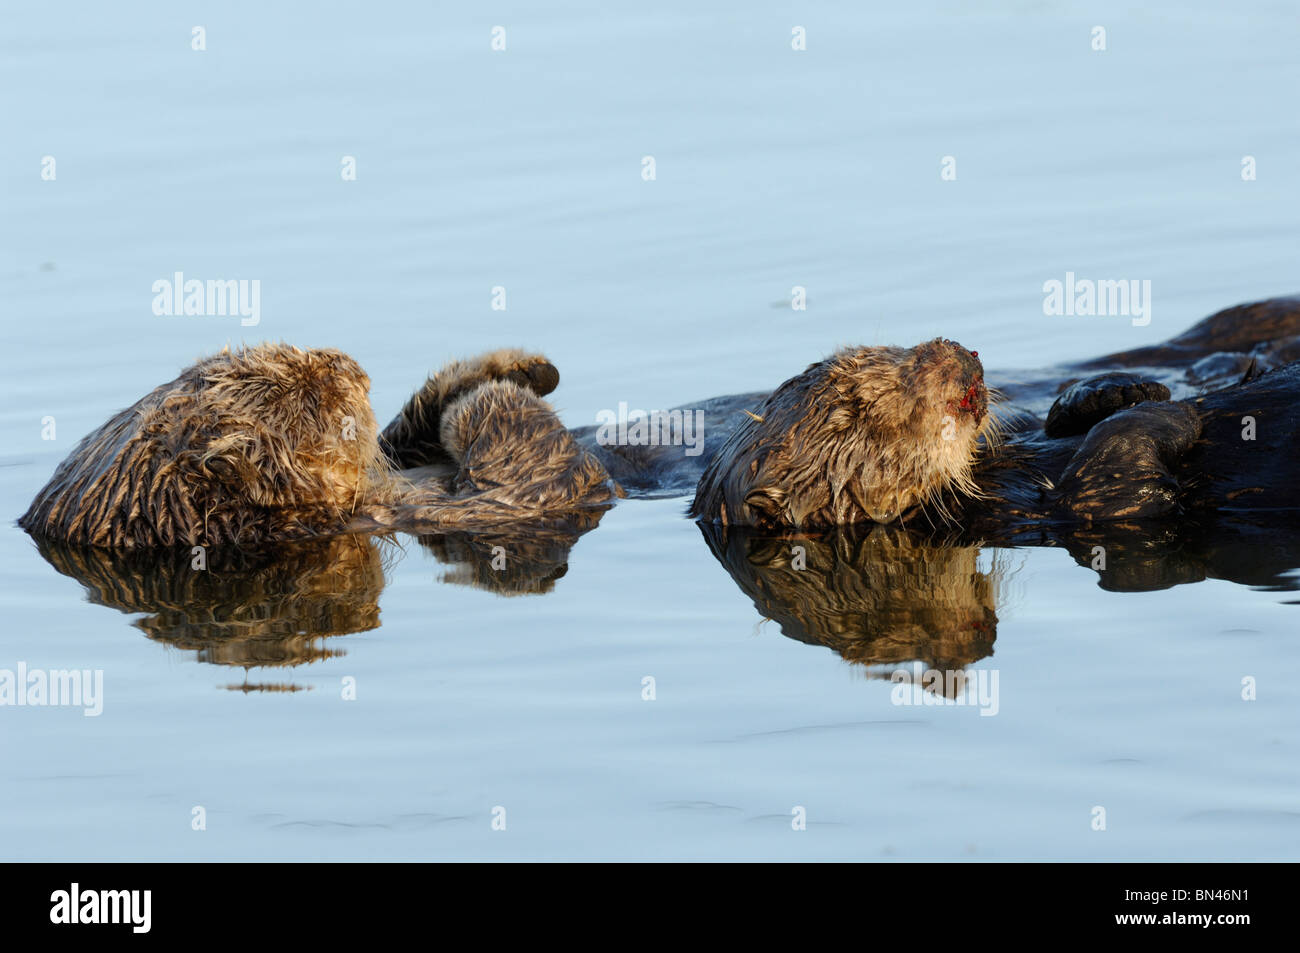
(975, 402)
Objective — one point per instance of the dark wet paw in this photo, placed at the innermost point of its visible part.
(1088, 402)
(1122, 468)
(536, 373)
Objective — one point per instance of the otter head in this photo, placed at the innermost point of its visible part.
(920, 413)
(866, 435)
(285, 428)
(267, 442)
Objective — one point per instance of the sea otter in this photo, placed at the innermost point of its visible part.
(1209, 421)
(273, 443)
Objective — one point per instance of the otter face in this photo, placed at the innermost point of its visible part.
(866, 435)
(961, 373)
(929, 447)
(948, 381)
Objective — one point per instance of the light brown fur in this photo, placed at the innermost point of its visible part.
(866, 435)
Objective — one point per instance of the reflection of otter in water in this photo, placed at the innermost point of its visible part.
(886, 596)
(271, 606)
(248, 607)
(878, 596)
(1260, 550)
(511, 561)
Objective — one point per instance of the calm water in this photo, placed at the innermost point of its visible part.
(523, 169)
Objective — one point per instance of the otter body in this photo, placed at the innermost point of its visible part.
(274, 443)
(1214, 426)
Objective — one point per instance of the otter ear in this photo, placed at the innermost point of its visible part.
(764, 502)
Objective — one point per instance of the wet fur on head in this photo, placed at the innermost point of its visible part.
(866, 435)
(266, 442)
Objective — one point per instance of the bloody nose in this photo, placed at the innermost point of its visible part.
(975, 401)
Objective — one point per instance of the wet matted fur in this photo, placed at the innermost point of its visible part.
(275, 443)
(863, 436)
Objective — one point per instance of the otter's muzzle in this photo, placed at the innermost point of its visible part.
(976, 400)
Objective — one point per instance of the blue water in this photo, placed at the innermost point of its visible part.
(523, 169)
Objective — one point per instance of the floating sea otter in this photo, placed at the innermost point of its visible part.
(884, 434)
(273, 443)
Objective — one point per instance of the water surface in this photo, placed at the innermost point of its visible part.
(522, 169)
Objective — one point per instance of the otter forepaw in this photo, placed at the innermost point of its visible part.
(532, 371)
(413, 438)
(1088, 402)
(1122, 468)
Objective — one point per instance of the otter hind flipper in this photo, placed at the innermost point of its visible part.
(1086, 403)
(1122, 470)
(414, 437)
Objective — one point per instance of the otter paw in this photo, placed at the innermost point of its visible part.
(413, 437)
(1122, 468)
(1088, 402)
(537, 374)
(532, 371)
